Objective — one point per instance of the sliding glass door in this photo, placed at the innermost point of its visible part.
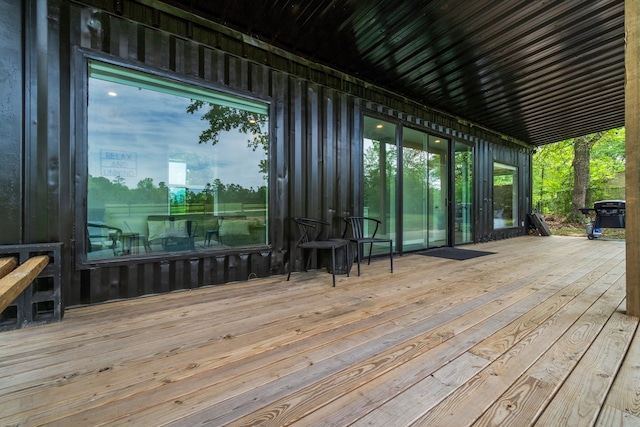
(419, 198)
(424, 190)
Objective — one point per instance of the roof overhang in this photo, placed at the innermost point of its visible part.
(540, 72)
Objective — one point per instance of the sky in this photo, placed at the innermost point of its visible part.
(136, 133)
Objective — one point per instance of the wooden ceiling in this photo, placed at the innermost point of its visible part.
(539, 71)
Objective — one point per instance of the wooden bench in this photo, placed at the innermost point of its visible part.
(15, 278)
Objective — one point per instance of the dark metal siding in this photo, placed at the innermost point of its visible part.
(11, 107)
(315, 154)
(486, 155)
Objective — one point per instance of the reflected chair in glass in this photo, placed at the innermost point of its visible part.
(181, 238)
(361, 236)
(310, 231)
(102, 236)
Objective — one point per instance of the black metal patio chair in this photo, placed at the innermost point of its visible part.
(361, 235)
(310, 233)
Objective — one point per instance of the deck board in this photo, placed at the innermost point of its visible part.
(519, 336)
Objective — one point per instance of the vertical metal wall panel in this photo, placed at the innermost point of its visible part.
(232, 269)
(311, 164)
(355, 158)
(281, 189)
(242, 266)
(11, 117)
(294, 144)
(113, 276)
(194, 274)
(36, 147)
(146, 279)
(330, 175)
(260, 264)
(221, 269)
(177, 278)
(131, 281)
(348, 160)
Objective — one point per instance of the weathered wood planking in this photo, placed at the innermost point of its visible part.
(490, 384)
(435, 337)
(632, 152)
(581, 396)
(13, 283)
(624, 396)
(470, 328)
(7, 265)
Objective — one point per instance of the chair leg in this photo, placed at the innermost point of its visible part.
(290, 262)
(391, 254)
(359, 255)
(333, 264)
(347, 258)
(370, 250)
(308, 262)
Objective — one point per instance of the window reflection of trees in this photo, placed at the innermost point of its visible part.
(377, 168)
(220, 119)
(223, 118)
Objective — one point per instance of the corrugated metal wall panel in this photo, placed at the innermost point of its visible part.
(11, 114)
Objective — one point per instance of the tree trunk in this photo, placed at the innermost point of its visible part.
(581, 174)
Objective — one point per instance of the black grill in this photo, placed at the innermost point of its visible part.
(609, 214)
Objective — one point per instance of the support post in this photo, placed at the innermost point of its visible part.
(632, 174)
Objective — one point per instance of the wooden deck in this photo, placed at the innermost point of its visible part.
(534, 334)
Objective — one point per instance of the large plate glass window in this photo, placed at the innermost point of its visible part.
(505, 195)
(172, 166)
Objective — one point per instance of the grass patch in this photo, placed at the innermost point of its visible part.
(560, 227)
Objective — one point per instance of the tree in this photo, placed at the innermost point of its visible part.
(552, 178)
(556, 165)
(223, 118)
(581, 171)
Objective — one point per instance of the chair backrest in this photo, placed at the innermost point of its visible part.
(306, 227)
(361, 226)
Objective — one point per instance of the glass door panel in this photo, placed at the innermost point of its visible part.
(505, 195)
(438, 173)
(424, 191)
(380, 172)
(463, 183)
(414, 189)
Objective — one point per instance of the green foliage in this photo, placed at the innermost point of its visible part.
(102, 192)
(553, 172)
(372, 173)
(607, 162)
(225, 119)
